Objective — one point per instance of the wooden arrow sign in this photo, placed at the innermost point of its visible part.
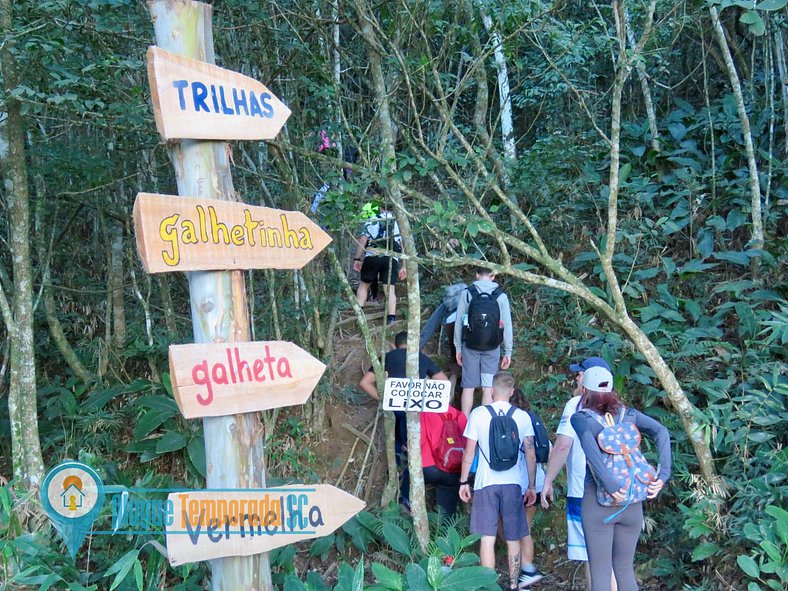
(197, 100)
(212, 524)
(210, 380)
(189, 234)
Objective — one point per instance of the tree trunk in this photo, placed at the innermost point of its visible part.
(417, 497)
(779, 51)
(504, 93)
(234, 449)
(28, 463)
(756, 240)
(170, 320)
(116, 285)
(644, 87)
(50, 309)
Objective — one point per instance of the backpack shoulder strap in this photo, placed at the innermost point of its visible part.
(496, 293)
(473, 293)
(511, 410)
(491, 409)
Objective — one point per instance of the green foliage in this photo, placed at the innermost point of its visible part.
(399, 563)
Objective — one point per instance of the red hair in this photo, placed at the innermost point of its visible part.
(601, 402)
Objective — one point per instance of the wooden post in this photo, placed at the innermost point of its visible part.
(233, 444)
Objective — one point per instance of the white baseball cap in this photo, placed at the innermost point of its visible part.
(598, 379)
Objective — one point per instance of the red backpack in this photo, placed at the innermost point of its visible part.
(448, 450)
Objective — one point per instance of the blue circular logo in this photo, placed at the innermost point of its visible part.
(72, 495)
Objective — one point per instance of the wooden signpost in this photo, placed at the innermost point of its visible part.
(225, 379)
(231, 378)
(186, 234)
(210, 524)
(417, 395)
(196, 100)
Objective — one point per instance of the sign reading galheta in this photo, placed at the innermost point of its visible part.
(187, 234)
(210, 380)
(197, 100)
(417, 395)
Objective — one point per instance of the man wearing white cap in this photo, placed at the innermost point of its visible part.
(567, 450)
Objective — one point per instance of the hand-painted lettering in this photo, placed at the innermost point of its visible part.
(223, 99)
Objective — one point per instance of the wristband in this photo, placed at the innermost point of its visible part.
(463, 483)
(356, 259)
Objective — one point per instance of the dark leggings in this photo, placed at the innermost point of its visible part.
(611, 545)
(447, 489)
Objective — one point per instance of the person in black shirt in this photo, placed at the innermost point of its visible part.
(394, 365)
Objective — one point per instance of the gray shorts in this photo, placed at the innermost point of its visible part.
(479, 367)
(504, 501)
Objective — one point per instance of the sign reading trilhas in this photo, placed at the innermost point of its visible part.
(417, 395)
(190, 234)
(212, 524)
(197, 100)
(219, 379)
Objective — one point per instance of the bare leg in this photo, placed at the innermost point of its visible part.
(466, 402)
(487, 551)
(362, 292)
(527, 543)
(486, 395)
(513, 551)
(391, 292)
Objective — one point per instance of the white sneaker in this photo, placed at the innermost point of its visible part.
(530, 577)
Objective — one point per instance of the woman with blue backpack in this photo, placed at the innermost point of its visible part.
(618, 478)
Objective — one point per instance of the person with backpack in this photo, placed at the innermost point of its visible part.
(484, 324)
(618, 478)
(380, 231)
(530, 574)
(442, 448)
(394, 363)
(504, 436)
(567, 450)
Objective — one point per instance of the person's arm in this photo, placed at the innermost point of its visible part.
(359, 256)
(582, 425)
(467, 462)
(558, 454)
(508, 332)
(661, 436)
(462, 307)
(530, 464)
(432, 325)
(368, 384)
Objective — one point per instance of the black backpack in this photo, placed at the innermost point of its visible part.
(483, 331)
(387, 230)
(541, 439)
(504, 440)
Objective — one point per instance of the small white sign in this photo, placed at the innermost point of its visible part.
(417, 395)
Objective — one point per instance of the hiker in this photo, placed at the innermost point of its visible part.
(499, 430)
(567, 450)
(394, 365)
(530, 574)
(618, 478)
(380, 231)
(442, 448)
(485, 323)
(444, 314)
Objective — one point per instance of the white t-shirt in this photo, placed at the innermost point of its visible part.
(539, 477)
(576, 460)
(478, 429)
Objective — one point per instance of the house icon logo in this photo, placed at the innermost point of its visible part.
(72, 495)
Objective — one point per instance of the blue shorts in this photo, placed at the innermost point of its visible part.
(499, 501)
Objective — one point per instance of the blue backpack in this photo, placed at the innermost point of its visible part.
(504, 440)
(620, 442)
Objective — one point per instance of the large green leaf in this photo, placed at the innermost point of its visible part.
(171, 441)
(397, 538)
(387, 577)
(749, 566)
(469, 579)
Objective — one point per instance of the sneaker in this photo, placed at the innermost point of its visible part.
(530, 577)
